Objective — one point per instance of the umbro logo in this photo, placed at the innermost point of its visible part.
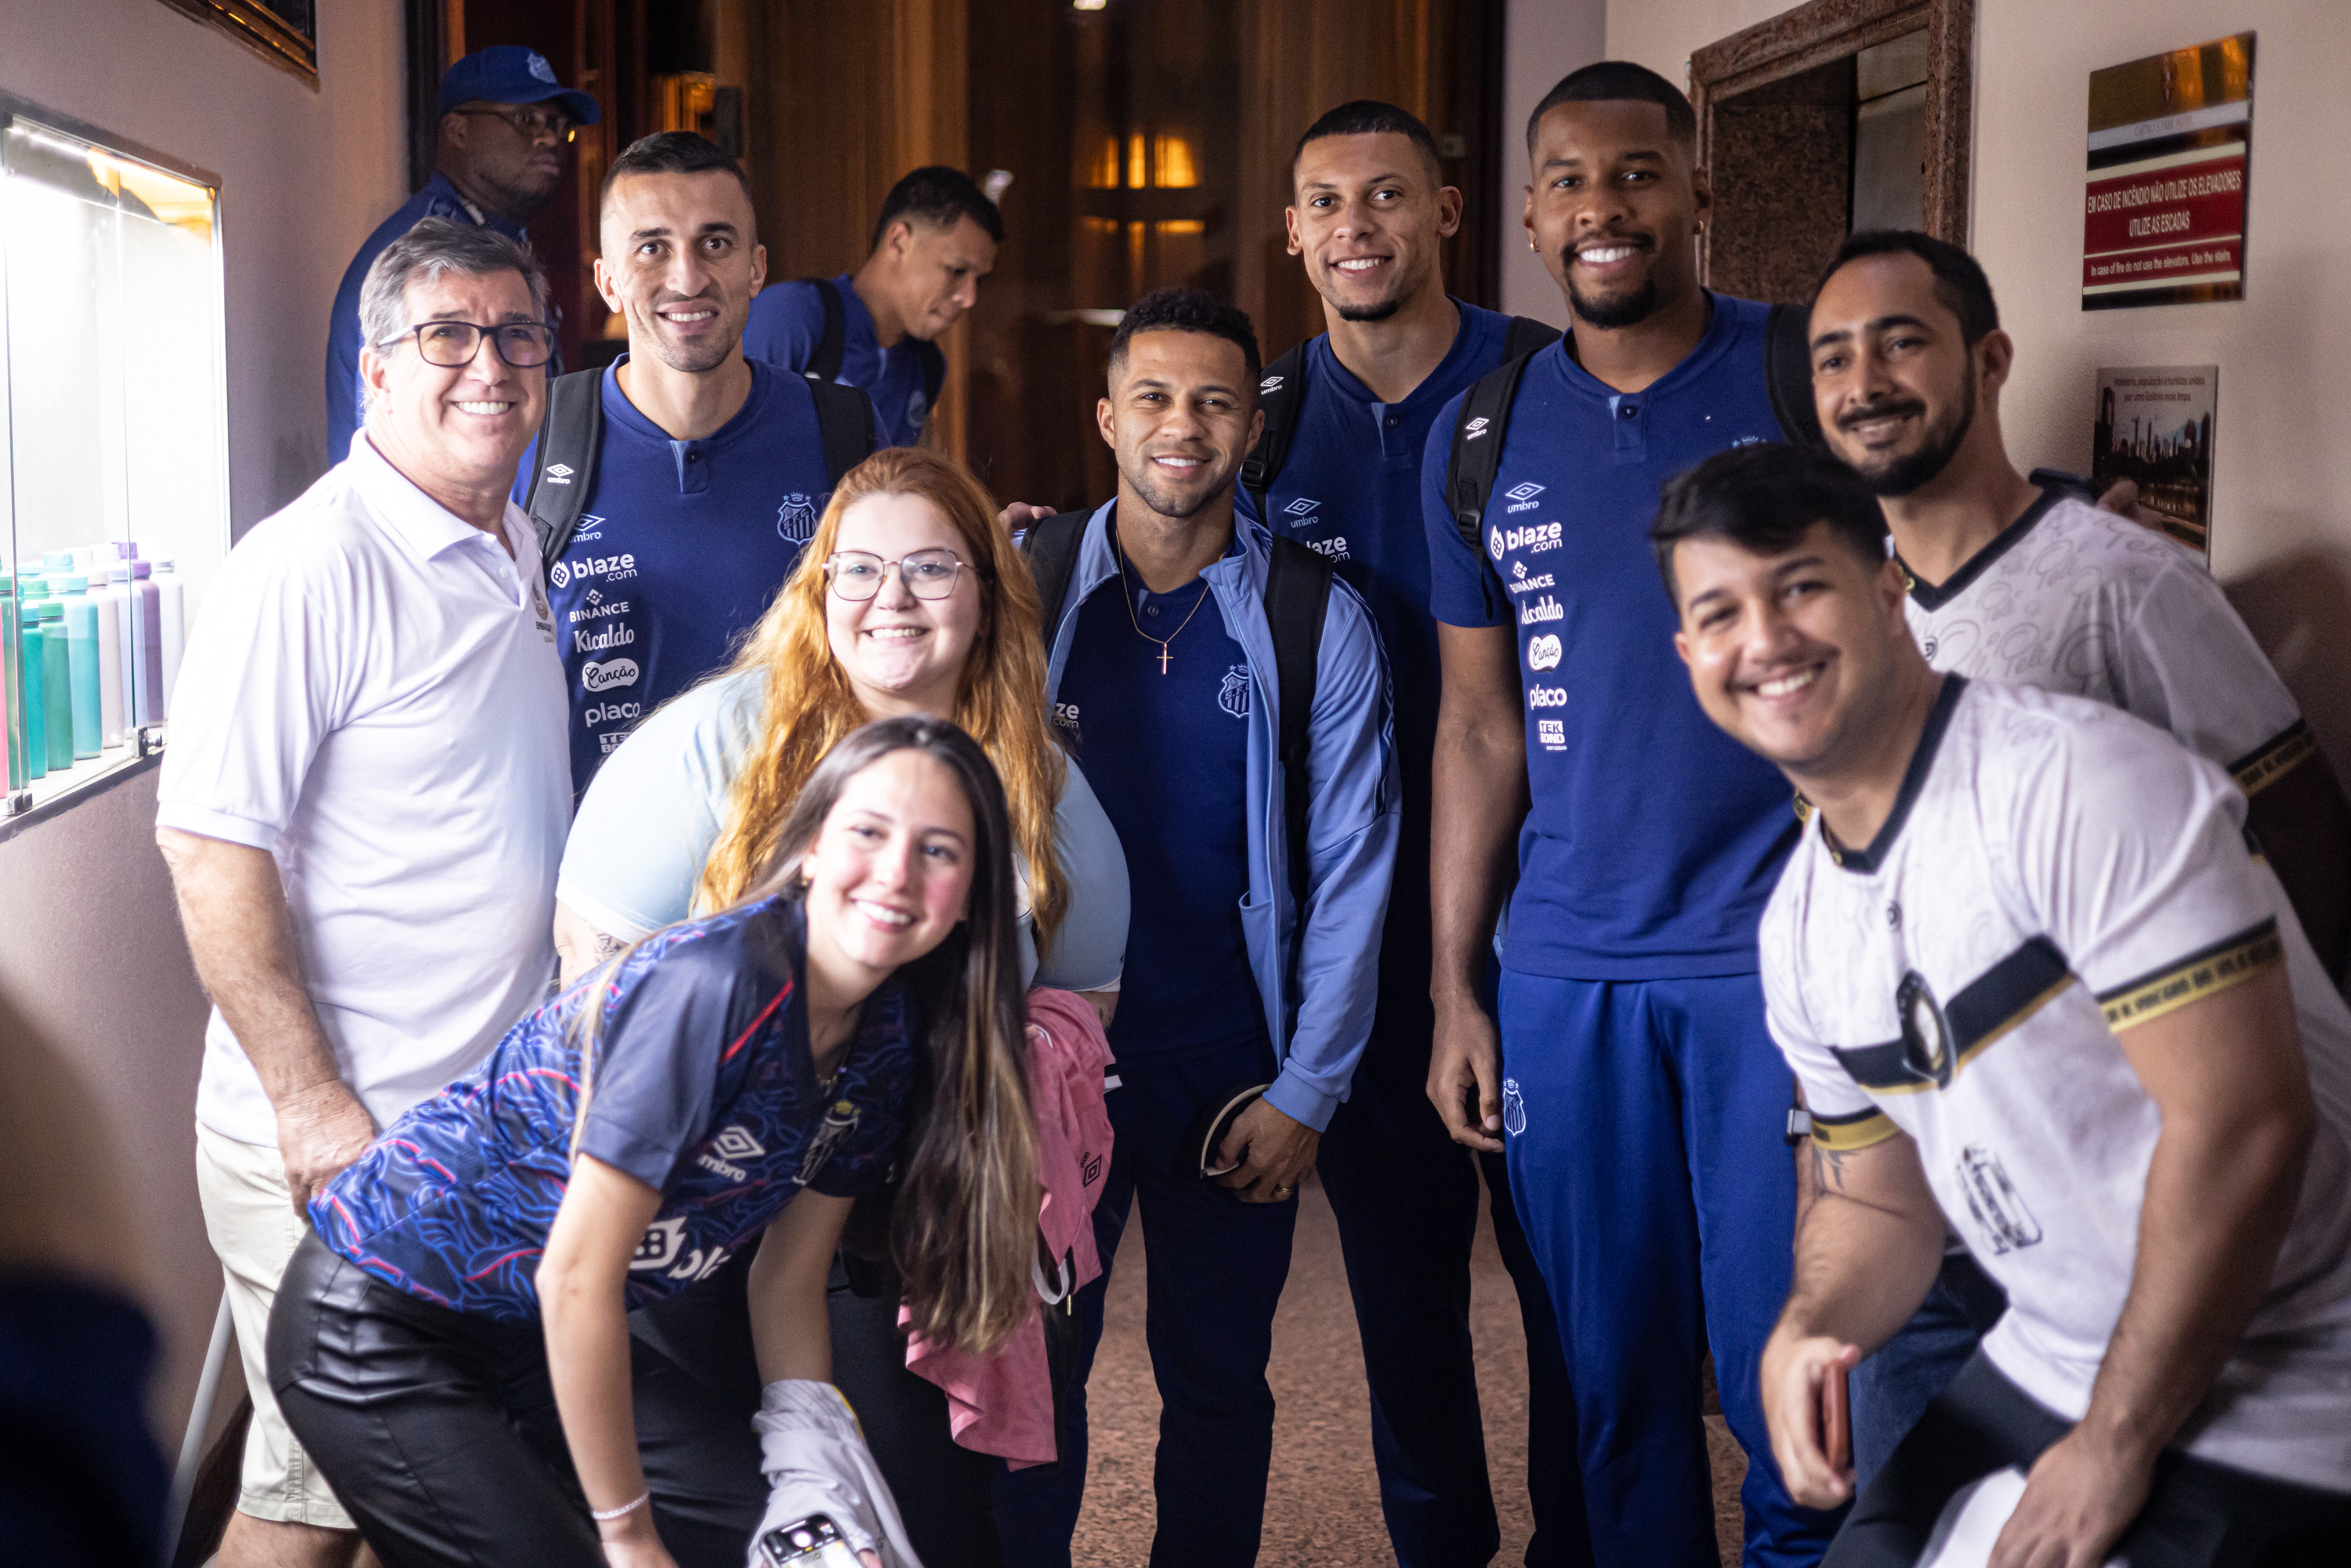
(738, 1144)
(1271, 384)
(1301, 506)
(558, 473)
(1526, 492)
(1475, 428)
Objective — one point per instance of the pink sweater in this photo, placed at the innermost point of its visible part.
(1002, 1403)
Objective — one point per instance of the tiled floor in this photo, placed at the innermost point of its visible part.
(1323, 1505)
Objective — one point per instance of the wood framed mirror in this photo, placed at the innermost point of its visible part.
(1837, 116)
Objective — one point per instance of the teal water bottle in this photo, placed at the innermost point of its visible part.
(36, 706)
(57, 683)
(81, 650)
(12, 698)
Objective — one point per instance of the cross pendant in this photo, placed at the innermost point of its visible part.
(1163, 658)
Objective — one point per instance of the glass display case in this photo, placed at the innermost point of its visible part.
(113, 439)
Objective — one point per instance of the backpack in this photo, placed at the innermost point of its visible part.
(1486, 411)
(572, 441)
(1281, 393)
(824, 365)
(1297, 593)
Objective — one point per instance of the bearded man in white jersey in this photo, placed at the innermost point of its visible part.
(2036, 989)
(2011, 582)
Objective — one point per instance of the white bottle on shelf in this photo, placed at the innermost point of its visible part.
(106, 598)
(172, 610)
(126, 616)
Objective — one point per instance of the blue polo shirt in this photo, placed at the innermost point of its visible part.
(438, 199)
(681, 546)
(703, 1087)
(1168, 757)
(1654, 839)
(787, 322)
(1350, 489)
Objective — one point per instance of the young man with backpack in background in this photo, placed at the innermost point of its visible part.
(673, 491)
(1338, 470)
(1632, 1080)
(878, 329)
(1229, 700)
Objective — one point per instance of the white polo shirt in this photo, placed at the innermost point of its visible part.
(372, 694)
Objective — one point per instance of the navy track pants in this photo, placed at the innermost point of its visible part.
(1406, 1197)
(1215, 1276)
(1644, 1123)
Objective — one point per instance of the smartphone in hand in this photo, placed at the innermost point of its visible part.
(811, 1542)
(1836, 1419)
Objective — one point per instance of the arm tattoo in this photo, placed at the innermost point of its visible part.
(1828, 1168)
(607, 945)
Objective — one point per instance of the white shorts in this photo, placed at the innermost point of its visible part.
(249, 1214)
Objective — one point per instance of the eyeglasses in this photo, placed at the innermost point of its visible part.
(525, 345)
(856, 575)
(531, 124)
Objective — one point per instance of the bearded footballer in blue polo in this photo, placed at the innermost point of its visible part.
(1370, 208)
(711, 473)
(1163, 686)
(1640, 1097)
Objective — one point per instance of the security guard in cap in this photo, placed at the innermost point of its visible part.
(504, 123)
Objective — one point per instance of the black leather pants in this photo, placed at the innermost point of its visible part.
(438, 1431)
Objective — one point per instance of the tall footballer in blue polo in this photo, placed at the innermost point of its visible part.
(1370, 208)
(1168, 677)
(1632, 1081)
(711, 471)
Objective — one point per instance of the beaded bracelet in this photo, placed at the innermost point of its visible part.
(605, 1515)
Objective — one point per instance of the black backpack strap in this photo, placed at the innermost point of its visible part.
(1051, 549)
(570, 436)
(1280, 392)
(1478, 436)
(825, 363)
(1788, 373)
(844, 422)
(1296, 597)
(1525, 335)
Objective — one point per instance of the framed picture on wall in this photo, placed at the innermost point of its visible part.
(283, 32)
(2154, 427)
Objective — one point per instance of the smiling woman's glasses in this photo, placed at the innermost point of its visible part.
(928, 573)
(525, 345)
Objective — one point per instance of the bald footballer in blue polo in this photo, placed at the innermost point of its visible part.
(1637, 1090)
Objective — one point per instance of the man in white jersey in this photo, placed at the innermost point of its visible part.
(2024, 968)
(2013, 583)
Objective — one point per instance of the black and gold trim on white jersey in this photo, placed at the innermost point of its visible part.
(2274, 759)
(2231, 962)
(1844, 1135)
(1939, 1039)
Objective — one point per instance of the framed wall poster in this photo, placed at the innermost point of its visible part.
(283, 32)
(2163, 210)
(2154, 428)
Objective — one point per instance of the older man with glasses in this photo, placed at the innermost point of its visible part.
(366, 797)
(506, 122)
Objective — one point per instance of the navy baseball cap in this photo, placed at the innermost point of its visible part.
(508, 73)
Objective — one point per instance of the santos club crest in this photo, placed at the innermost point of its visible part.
(1233, 697)
(796, 519)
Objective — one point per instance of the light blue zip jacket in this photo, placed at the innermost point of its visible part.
(1353, 817)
